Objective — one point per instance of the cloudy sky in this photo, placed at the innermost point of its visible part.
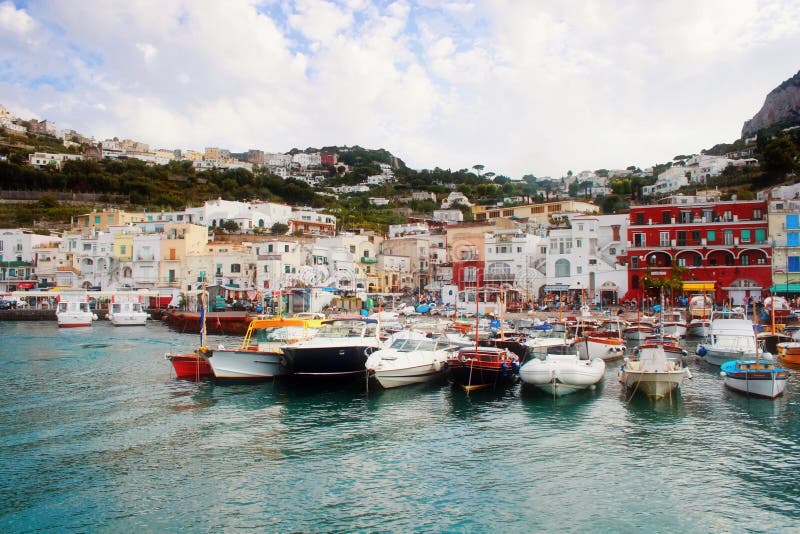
(520, 86)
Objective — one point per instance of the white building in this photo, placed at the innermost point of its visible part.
(307, 160)
(511, 258)
(583, 255)
(42, 160)
(18, 258)
(448, 216)
(668, 181)
(455, 197)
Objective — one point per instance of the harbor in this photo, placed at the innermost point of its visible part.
(96, 423)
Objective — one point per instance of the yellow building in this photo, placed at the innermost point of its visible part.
(180, 241)
(211, 153)
(538, 212)
(101, 220)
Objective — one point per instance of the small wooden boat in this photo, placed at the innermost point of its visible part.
(652, 373)
(754, 377)
(191, 366)
(789, 352)
(483, 367)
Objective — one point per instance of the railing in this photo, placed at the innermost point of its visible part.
(369, 260)
(499, 277)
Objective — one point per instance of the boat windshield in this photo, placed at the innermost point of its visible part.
(411, 345)
(281, 334)
(348, 329)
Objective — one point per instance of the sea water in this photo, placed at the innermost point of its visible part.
(96, 434)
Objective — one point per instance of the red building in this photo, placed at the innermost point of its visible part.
(327, 159)
(727, 242)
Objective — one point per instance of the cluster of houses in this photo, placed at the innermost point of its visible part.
(554, 250)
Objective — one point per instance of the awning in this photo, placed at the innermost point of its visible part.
(785, 288)
(699, 286)
(26, 285)
(556, 287)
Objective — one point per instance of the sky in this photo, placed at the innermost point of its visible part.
(520, 86)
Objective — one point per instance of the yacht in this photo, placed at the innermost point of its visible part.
(410, 358)
(126, 311)
(73, 309)
(339, 350)
(731, 337)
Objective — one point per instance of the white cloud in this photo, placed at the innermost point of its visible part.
(540, 87)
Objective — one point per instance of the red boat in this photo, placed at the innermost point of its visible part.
(482, 367)
(233, 323)
(191, 366)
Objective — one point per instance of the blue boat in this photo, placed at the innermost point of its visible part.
(755, 377)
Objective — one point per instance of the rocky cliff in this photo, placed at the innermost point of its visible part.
(781, 106)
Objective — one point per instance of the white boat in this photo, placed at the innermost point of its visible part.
(698, 328)
(700, 306)
(754, 377)
(539, 344)
(605, 343)
(73, 309)
(260, 355)
(652, 374)
(638, 331)
(127, 310)
(672, 323)
(410, 358)
(731, 337)
(562, 374)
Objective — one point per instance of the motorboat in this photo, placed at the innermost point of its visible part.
(539, 345)
(73, 310)
(260, 356)
(483, 367)
(789, 352)
(755, 377)
(700, 306)
(127, 310)
(606, 342)
(672, 323)
(638, 331)
(652, 373)
(731, 337)
(698, 328)
(562, 374)
(670, 345)
(410, 358)
(777, 307)
(339, 350)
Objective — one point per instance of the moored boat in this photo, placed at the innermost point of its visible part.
(228, 323)
(754, 377)
(731, 338)
(127, 310)
(672, 323)
(652, 373)
(339, 350)
(562, 374)
(73, 309)
(698, 328)
(190, 366)
(410, 358)
(789, 352)
(260, 356)
(483, 367)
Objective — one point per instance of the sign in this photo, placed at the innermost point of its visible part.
(557, 287)
(659, 273)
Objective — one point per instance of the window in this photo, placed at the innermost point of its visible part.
(757, 214)
(470, 274)
(122, 249)
(697, 260)
(793, 239)
(97, 219)
(579, 269)
(745, 260)
(663, 239)
(236, 267)
(666, 217)
(269, 248)
(728, 237)
(681, 239)
(745, 236)
(638, 240)
(696, 236)
(578, 243)
(793, 264)
(681, 262)
(286, 248)
(686, 217)
(87, 247)
(640, 218)
(792, 221)
(613, 251)
(287, 269)
(366, 254)
(635, 262)
(352, 249)
(562, 268)
(761, 235)
(711, 236)
(519, 249)
(580, 227)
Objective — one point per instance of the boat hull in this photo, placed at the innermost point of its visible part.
(766, 381)
(421, 374)
(559, 375)
(217, 323)
(656, 385)
(674, 329)
(341, 361)
(474, 375)
(133, 319)
(246, 365)
(789, 353)
(605, 348)
(190, 366)
(74, 320)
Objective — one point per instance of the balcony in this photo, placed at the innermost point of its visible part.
(369, 260)
(498, 277)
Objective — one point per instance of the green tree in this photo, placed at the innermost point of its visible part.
(279, 228)
(779, 156)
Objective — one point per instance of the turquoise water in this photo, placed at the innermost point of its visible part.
(96, 435)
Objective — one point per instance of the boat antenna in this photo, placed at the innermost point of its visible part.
(203, 301)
